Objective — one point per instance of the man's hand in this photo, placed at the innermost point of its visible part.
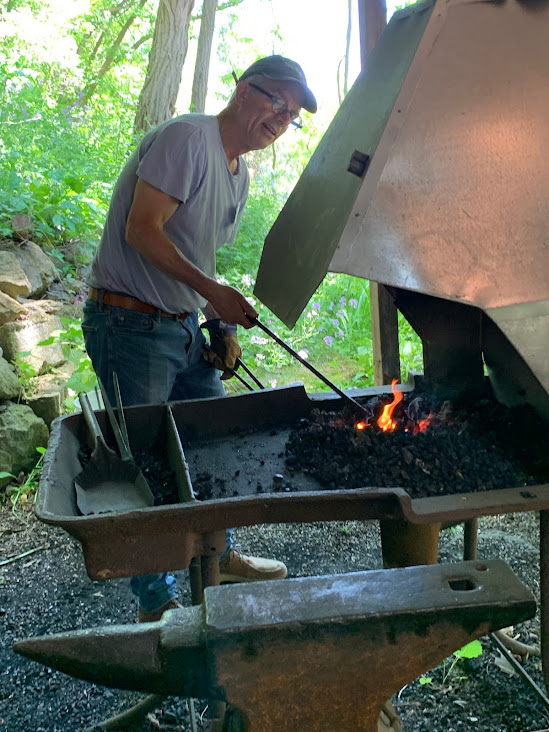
(224, 349)
(231, 305)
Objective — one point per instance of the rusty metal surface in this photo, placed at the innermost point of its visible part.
(254, 645)
(243, 442)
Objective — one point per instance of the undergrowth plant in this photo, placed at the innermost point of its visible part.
(71, 340)
(27, 487)
(449, 665)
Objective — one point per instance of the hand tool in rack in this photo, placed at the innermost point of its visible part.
(349, 399)
(109, 482)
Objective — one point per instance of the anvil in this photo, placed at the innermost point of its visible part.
(318, 653)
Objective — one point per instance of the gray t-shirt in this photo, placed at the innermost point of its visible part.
(183, 157)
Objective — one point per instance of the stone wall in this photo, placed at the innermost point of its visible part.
(27, 317)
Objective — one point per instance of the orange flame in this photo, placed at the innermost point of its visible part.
(386, 421)
(361, 425)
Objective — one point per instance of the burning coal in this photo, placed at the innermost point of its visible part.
(423, 447)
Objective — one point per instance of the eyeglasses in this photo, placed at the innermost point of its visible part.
(280, 106)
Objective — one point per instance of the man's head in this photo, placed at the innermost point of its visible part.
(268, 99)
(279, 68)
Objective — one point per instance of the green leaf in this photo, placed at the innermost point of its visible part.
(471, 650)
(74, 184)
(3, 474)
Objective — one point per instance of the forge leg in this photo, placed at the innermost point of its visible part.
(209, 577)
(408, 545)
(544, 592)
(470, 539)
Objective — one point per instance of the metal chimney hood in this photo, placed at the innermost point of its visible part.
(434, 175)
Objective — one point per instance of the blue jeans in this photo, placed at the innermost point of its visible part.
(156, 359)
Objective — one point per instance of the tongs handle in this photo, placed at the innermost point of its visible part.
(243, 366)
(124, 449)
(121, 416)
(346, 397)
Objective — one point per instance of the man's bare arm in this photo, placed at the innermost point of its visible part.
(151, 209)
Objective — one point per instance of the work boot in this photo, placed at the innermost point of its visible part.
(237, 567)
(152, 617)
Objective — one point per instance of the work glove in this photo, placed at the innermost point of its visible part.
(224, 349)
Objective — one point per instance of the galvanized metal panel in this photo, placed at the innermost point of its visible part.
(527, 328)
(460, 210)
(300, 245)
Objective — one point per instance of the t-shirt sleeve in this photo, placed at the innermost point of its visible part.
(175, 161)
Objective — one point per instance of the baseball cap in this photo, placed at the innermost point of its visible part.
(282, 69)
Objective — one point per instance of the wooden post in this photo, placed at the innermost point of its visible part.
(372, 16)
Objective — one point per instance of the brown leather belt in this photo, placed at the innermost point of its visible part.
(130, 303)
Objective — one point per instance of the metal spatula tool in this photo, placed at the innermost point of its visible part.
(109, 482)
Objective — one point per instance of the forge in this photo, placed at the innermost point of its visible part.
(431, 181)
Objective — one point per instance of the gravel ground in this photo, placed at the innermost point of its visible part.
(48, 591)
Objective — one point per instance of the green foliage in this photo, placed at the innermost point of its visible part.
(29, 485)
(71, 341)
(67, 105)
(471, 650)
(60, 154)
(26, 374)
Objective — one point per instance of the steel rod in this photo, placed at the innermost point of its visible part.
(519, 669)
(242, 380)
(307, 365)
(243, 366)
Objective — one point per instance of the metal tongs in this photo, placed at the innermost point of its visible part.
(353, 402)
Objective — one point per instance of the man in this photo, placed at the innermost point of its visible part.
(178, 199)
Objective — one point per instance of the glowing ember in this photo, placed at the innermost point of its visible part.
(386, 421)
(361, 425)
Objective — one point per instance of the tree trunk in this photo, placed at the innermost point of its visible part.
(169, 48)
(203, 54)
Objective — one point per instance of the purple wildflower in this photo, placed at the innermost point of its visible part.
(328, 340)
(353, 302)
